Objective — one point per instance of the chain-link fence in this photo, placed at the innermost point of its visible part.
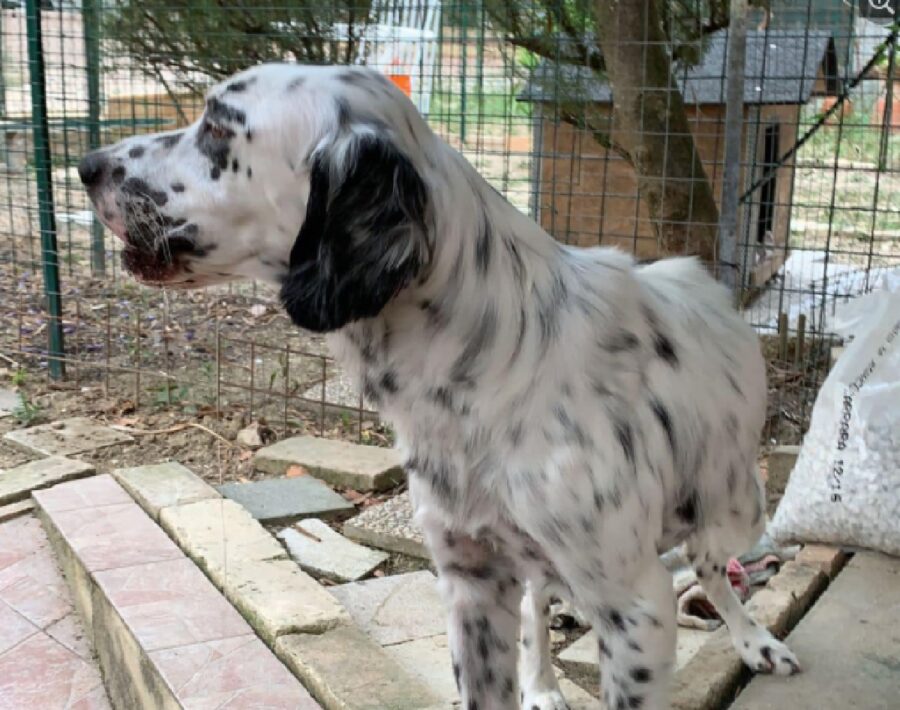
(792, 168)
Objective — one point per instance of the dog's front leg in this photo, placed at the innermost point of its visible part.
(483, 596)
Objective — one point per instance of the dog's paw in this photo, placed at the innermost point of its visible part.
(766, 654)
(544, 700)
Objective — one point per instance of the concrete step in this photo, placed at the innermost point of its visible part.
(46, 661)
(309, 630)
(164, 636)
(848, 646)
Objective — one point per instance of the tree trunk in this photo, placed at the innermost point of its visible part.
(651, 126)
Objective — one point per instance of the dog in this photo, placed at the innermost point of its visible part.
(564, 414)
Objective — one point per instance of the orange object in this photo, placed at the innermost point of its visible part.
(403, 82)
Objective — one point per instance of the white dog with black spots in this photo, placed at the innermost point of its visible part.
(565, 414)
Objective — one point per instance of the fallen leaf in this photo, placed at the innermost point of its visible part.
(295, 471)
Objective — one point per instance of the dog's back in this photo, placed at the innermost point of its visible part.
(718, 398)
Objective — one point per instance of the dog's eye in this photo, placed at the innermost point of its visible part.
(217, 132)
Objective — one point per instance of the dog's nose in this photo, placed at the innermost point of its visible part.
(91, 167)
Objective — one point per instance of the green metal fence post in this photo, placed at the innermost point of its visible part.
(90, 16)
(43, 170)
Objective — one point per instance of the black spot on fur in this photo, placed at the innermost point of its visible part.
(689, 511)
(664, 349)
(734, 385)
(177, 187)
(477, 343)
(136, 152)
(240, 85)
(249, 135)
(626, 439)
(249, 173)
(296, 83)
(641, 675)
(219, 112)
(118, 174)
(135, 187)
(483, 247)
(215, 173)
(235, 166)
(389, 382)
(621, 341)
(665, 421)
(170, 140)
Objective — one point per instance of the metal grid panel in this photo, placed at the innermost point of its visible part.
(818, 228)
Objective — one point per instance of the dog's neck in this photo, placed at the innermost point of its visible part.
(483, 310)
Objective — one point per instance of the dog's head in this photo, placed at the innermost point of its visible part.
(309, 177)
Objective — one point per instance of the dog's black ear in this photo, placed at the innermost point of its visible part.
(363, 239)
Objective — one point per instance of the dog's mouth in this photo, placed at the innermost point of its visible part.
(159, 249)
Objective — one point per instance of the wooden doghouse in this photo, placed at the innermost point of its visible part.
(587, 195)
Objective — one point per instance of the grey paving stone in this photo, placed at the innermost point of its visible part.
(162, 485)
(577, 698)
(251, 568)
(340, 463)
(847, 644)
(344, 669)
(283, 500)
(9, 400)
(17, 483)
(388, 526)
(428, 660)
(324, 552)
(584, 653)
(66, 437)
(395, 609)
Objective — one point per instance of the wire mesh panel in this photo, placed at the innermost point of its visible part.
(525, 90)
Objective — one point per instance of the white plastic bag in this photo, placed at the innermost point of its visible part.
(845, 487)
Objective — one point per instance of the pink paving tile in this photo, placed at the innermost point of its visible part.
(14, 628)
(83, 493)
(35, 588)
(40, 673)
(168, 604)
(69, 631)
(114, 536)
(230, 673)
(19, 538)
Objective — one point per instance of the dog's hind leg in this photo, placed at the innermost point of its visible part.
(756, 646)
(540, 689)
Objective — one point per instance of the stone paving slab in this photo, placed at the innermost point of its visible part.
(847, 644)
(164, 635)
(577, 697)
(9, 401)
(252, 569)
(584, 653)
(322, 551)
(17, 483)
(429, 661)
(340, 463)
(283, 500)
(346, 670)
(66, 437)
(45, 661)
(161, 485)
(14, 510)
(389, 526)
(395, 609)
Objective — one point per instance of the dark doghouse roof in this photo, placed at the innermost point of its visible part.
(781, 68)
